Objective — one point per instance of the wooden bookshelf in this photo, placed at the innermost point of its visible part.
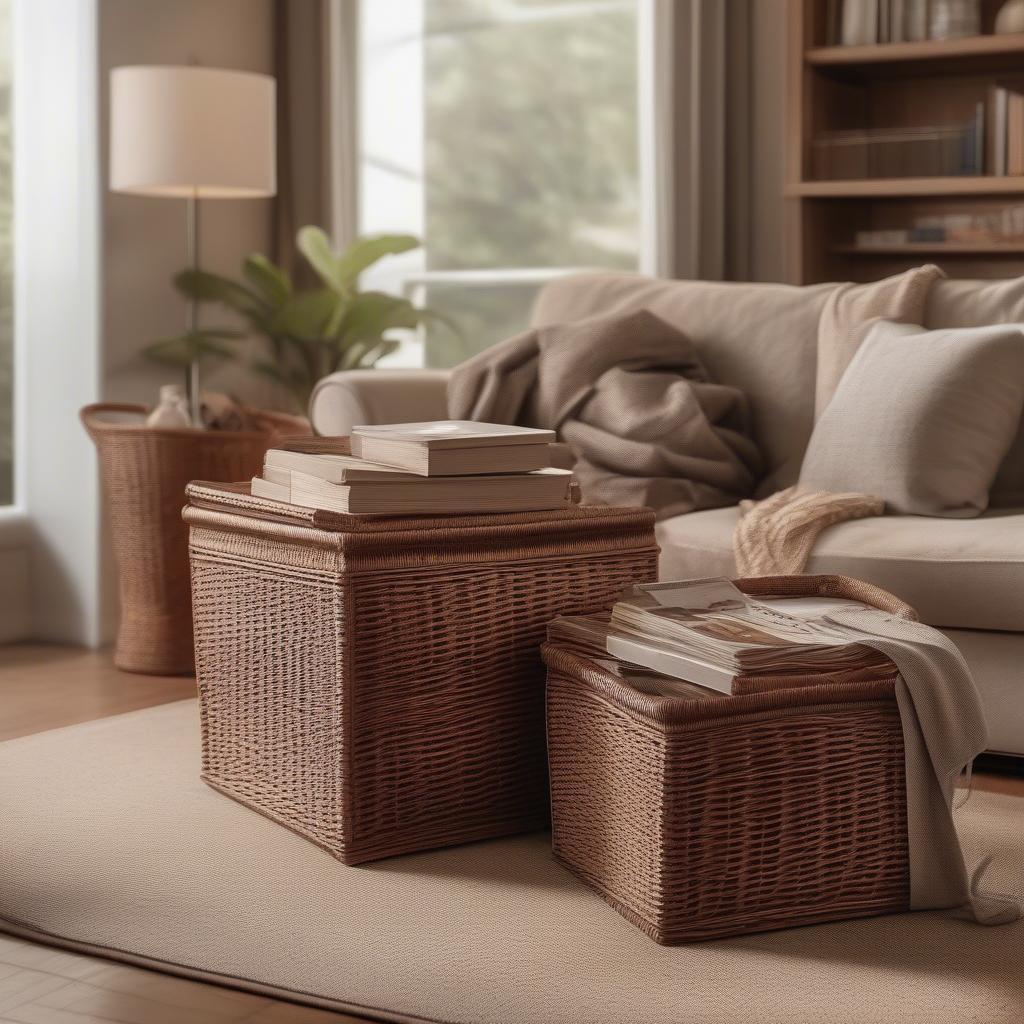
(890, 85)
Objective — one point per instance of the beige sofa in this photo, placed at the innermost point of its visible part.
(965, 576)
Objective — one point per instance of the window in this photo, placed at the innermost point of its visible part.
(6, 267)
(506, 134)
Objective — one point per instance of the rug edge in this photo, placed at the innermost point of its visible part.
(169, 967)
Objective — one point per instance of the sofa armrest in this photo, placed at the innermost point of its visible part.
(354, 397)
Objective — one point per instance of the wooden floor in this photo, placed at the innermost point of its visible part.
(44, 687)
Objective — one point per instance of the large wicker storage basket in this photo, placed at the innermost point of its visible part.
(782, 805)
(144, 472)
(375, 684)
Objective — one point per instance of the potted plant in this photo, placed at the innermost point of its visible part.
(312, 331)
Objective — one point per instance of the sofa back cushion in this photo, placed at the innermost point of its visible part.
(761, 338)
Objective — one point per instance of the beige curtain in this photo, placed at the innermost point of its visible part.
(317, 159)
(708, 127)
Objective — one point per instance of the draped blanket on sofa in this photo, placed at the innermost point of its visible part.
(631, 398)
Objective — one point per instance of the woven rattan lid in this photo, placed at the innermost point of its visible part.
(236, 499)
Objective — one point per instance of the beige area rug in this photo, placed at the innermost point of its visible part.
(109, 842)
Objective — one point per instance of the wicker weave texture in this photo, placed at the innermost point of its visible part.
(382, 692)
(700, 820)
(144, 472)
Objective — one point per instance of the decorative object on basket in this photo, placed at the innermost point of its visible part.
(608, 385)
(682, 813)
(144, 472)
(405, 710)
(171, 408)
(311, 332)
(192, 133)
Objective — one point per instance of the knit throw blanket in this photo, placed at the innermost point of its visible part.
(774, 537)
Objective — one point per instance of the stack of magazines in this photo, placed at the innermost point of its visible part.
(707, 632)
(444, 466)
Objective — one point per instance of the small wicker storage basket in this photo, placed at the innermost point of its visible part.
(375, 684)
(144, 472)
(782, 805)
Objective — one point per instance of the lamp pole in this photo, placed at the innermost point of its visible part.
(192, 315)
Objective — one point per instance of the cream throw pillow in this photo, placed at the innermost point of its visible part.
(841, 324)
(921, 419)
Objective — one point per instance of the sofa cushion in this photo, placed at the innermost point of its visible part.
(958, 573)
(921, 419)
(761, 338)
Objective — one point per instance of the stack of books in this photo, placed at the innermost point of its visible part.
(707, 632)
(915, 152)
(868, 22)
(1004, 147)
(444, 466)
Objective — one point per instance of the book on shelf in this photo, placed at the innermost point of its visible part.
(454, 447)
(1004, 127)
(870, 22)
(707, 632)
(909, 152)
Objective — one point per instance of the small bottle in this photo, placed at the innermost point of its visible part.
(172, 409)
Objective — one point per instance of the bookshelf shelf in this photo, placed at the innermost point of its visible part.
(925, 57)
(935, 249)
(987, 185)
(884, 89)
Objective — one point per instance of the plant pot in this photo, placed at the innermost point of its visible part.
(144, 471)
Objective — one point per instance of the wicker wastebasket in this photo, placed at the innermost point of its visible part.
(374, 683)
(144, 472)
(782, 805)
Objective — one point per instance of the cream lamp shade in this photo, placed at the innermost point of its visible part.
(205, 133)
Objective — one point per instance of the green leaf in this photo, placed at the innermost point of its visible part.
(207, 287)
(267, 369)
(369, 314)
(341, 272)
(183, 349)
(354, 353)
(378, 352)
(364, 252)
(305, 315)
(269, 280)
(314, 244)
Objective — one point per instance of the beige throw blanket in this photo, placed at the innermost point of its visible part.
(943, 731)
(775, 537)
(630, 396)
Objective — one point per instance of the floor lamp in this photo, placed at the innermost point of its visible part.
(192, 133)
